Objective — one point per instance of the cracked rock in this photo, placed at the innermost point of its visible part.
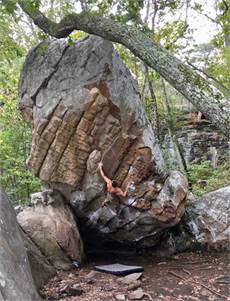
(50, 224)
(84, 107)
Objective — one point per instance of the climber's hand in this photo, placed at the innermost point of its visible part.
(100, 164)
(130, 169)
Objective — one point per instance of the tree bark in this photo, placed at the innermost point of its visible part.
(180, 162)
(155, 119)
(205, 97)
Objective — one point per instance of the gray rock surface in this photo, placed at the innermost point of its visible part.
(137, 294)
(198, 142)
(16, 282)
(41, 268)
(84, 107)
(205, 225)
(210, 219)
(50, 224)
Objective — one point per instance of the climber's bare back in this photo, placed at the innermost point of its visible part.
(112, 185)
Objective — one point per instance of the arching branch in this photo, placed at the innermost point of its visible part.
(205, 97)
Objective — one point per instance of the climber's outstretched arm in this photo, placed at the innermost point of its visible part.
(106, 179)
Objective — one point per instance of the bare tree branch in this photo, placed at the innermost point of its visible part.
(147, 12)
(208, 75)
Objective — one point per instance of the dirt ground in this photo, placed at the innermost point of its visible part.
(187, 276)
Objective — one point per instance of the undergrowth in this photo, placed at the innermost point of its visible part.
(204, 178)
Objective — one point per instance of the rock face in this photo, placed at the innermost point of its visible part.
(51, 226)
(198, 142)
(205, 225)
(41, 268)
(84, 107)
(210, 219)
(16, 282)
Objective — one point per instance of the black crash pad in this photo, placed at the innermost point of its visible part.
(119, 269)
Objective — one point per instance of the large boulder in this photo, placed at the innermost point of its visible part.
(41, 268)
(16, 282)
(205, 225)
(50, 224)
(84, 107)
(209, 219)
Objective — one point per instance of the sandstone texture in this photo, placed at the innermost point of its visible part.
(50, 224)
(84, 107)
(16, 282)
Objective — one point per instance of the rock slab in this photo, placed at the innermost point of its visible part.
(16, 282)
(210, 219)
(41, 268)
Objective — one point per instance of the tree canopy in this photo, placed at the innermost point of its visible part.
(207, 98)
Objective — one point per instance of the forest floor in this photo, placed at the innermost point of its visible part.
(191, 276)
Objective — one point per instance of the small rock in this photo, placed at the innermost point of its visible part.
(148, 296)
(91, 275)
(202, 183)
(20, 208)
(137, 294)
(71, 290)
(120, 297)
(90, 281)
(204, 292)
(76, 264)
(63, 289)
(134, 285)
(161, 263)
(130, 278)
(108, 288)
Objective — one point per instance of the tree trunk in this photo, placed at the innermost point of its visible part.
(154, 121)
(175, 154)
(205, 97)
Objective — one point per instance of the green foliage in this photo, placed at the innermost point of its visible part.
(170, 33)
(41, 48)
(148, 107)
(15, 139)
(204, 178)
(11, 5)
(8, 5)
(121, 10)
(9, 48)
(215, 55)
(74, 36)
(129, 10)
(170, 164)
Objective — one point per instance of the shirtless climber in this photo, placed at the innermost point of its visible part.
(112, 185)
